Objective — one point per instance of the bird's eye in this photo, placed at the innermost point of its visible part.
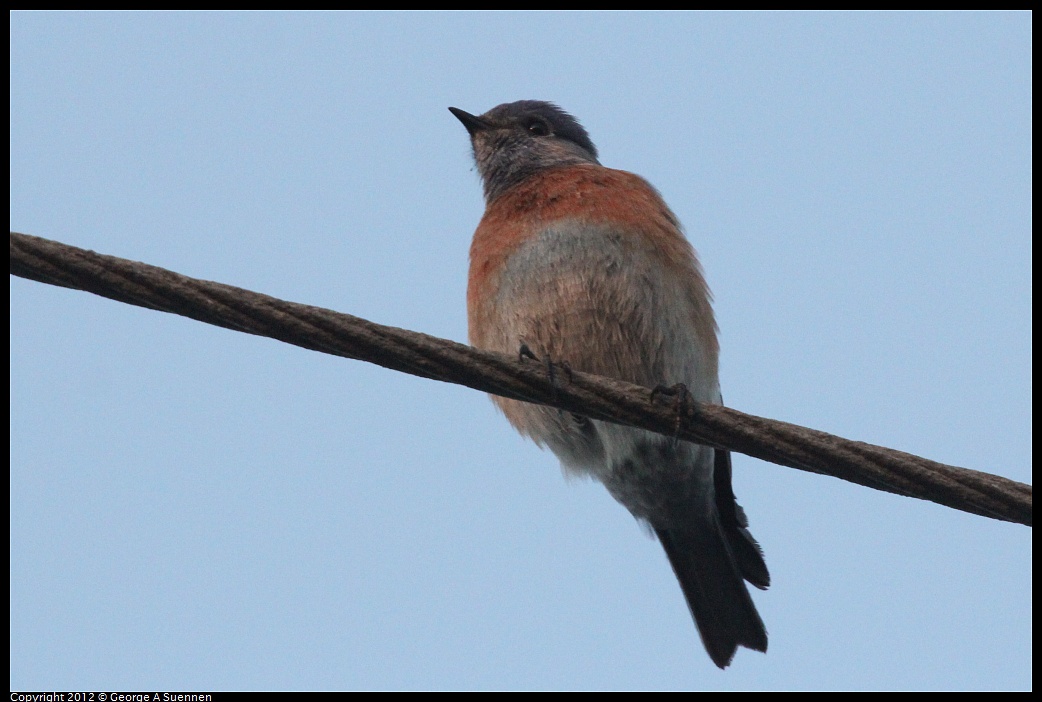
(537, 127)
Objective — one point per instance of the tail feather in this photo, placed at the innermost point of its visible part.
(747, 552)
(713, 586)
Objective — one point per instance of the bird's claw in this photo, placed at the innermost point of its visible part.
(681, 403)
(524, 352)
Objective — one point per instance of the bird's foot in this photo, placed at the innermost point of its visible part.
(524, 352)
(681, 403)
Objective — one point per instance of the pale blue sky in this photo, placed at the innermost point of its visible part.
(193, 508)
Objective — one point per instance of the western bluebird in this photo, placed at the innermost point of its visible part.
(587, 265)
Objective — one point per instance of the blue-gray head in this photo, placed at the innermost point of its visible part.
(516, 139)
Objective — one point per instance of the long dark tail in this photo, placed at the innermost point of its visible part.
(716, 595)
(711, 560)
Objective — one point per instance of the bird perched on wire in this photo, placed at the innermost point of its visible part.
(584, 265)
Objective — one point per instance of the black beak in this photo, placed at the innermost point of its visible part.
(472, 123)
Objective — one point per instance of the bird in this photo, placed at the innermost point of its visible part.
(587, 267)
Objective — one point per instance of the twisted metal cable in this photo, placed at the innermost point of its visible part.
(601, 398)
